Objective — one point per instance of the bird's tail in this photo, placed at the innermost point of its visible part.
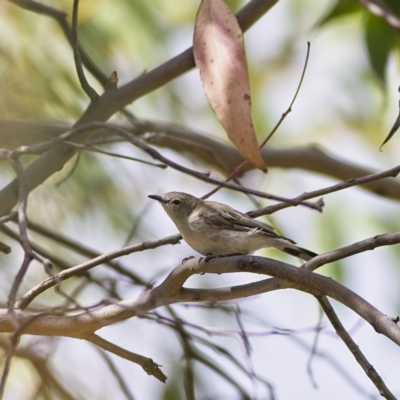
(294, 250)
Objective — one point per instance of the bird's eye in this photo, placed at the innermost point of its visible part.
(176, 202)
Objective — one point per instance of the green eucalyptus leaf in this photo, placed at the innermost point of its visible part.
(342, 8)
(380, 41)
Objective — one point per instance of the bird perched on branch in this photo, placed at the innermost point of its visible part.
(216, 229)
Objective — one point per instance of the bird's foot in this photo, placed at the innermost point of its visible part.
(187, 258)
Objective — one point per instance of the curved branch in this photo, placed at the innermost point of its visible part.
(81, 268)
(220, 156)
(310, 158)
(355, 350)
(171, 291)
(312, 265)
(386, 239)
(77, 55)
(148, 365)
(393, 172)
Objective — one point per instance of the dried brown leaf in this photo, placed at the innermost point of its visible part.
(219, 53)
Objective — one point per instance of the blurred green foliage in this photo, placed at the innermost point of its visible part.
(102, 198)
(381, 39)
(131, 36)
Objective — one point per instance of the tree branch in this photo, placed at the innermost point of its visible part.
(218, 155)
(77, 56)
(112, 101)
(81, 268)
(355, 350)
(148, 365)
(142, 145)
(386, 239)
(393, 172)
(172, 291)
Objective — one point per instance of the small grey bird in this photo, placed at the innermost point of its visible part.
(213, 228)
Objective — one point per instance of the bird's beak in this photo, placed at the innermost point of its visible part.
(155, 197)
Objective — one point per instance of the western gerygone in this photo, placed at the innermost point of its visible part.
(213, 228)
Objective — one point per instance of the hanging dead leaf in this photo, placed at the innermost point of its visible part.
(219, 53)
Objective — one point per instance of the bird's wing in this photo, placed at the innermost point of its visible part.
(228, 218)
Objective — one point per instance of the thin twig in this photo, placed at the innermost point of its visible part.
(40, 148)
(7, 362)
(175, 324)
(57, 261)
(372, 243)
(237, 169)
(48, 376)
(71, 171)
(310, 158)
(244, 338)
(338, 366)
(148, 365)
(222, 372)
(212, 331)
(22, 223)
(193, 354)
(116, 155)
(199, 175)
(355, 350)
(393, 172)
(188, 350)
(84, 250)
(12, 216)
(77, 57)
(118, 376)
(63, 138)
(68, 273)
(40, 8)
(47, 372)
(289, 110)
(314, 352)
